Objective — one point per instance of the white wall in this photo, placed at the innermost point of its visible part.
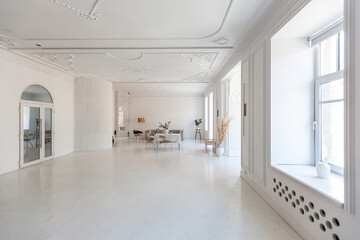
(93, 114)
(17, 73)
(181, 111)
(292, 101)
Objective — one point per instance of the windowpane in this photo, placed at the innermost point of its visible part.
(206, 113)
(332, 90)
(332, 133)
(328, 55)
(342, 51)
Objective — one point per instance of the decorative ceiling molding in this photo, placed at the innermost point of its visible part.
(7, 42)
(148, 80)
(196, 78)
(140, 70)
(63, 61)
(136, 58)
(111, 56)
(221, 41)
(92, 15)
(269, 12)
(203, 60)
(95, 17)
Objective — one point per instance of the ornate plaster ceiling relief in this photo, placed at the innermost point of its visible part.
(136, 58)
(111, 56)
(92, 15)
(64, 61)
(203, 60)
(196, 78)
(221, 40)
(7, 42)
(140, 70)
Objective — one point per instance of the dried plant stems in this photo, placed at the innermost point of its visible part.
(223, 127)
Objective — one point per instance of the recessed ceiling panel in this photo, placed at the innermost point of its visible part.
(113, 19)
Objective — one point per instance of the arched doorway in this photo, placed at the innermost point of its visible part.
(37, 125)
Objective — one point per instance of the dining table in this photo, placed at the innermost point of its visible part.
(167, 138)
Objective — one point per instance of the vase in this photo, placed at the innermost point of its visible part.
(323, 169)
(220, 151)
(166, 131)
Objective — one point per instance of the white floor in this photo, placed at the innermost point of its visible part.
(135, 193)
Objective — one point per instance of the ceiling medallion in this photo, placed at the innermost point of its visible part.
(140, 70)
(7, 42)
(92, 15)
(221, 41)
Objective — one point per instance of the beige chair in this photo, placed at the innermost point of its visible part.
(210, 142)
(137, 136)
(150, 139)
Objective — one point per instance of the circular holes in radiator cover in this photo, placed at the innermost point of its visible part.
(336, 222)
(316, 215)
(322, 227)
(306, 208)
(302, 211)
(322, 213)
(335, 237)
(329, 225)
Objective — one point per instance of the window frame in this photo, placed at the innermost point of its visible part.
(319, 80)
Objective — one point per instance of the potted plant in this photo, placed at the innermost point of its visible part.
(222, 129)
(165, 126)
(198, 122)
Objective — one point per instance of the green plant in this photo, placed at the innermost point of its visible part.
(198, 122)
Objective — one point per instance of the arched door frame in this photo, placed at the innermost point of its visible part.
(42, 106)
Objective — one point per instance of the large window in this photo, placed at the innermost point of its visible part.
(206, 114)
(330, 102)
(211, 115)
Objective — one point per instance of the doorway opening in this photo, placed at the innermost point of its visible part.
(36, 125)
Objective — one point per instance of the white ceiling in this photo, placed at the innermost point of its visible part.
(129, 41)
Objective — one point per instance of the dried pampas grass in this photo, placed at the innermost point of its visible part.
(223, 127)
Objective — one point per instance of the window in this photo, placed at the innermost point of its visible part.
(211, 115)
(206, 114)
(331, 54)
(330, 103)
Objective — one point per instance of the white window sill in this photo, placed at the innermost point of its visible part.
(332, 188)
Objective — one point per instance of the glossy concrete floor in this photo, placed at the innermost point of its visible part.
(135, 193)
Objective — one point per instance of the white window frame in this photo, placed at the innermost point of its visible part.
(321, 79)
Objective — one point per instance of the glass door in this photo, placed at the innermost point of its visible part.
(31, 134)
(37, 133)
(48, 133)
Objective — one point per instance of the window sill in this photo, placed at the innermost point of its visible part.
(332, 188)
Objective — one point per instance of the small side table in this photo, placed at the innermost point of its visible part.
(197, 132)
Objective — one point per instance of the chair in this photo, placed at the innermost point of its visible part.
(137, 135)
(210, 142)
(164, 141)
(150, 139)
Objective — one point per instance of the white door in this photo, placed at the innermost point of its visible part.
(37, 133)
